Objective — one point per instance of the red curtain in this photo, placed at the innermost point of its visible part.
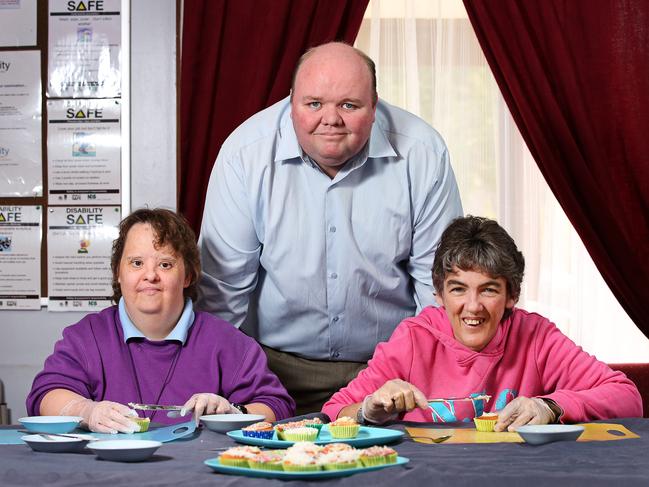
(238, 58)
(575, 76)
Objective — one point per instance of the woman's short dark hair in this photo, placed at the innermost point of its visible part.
(479, 244)
(169, 228)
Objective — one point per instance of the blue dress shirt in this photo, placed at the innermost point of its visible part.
(324, 268)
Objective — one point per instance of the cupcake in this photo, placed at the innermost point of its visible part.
(340, 459)
(143, 423)
(280, 428)
(332, 447)
(344, 427)
(377, 455)
(313, 423)
(239, 456)
(303, 433)
(486, 422)
(300, 461)
(261, 430)
(268, 460)
(306, 447)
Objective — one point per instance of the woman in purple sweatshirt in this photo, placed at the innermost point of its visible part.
(152, 347)
(477, 343)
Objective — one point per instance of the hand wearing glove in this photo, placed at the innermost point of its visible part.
(103, 416)
(524, 410)
(207, 403)
(392, 398)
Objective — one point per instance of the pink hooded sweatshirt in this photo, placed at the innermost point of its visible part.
(528, 356)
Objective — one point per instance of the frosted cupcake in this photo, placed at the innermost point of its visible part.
(344, 427)
(303, 433)
(261, 430)
(268, 460)
(300, 461)
(280, 428)
(341, 459)
(239, 456)
(486, 422)
(377, 455)
(313, 423)
(333, 447)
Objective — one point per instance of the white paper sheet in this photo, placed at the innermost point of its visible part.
(20, 256)
(21, 171)
(17, 23)
(84, 59)
(83, 151)
(79, 246)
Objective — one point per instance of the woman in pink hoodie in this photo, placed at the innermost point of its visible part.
(477, 343)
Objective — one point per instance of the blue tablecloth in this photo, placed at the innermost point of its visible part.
(504, 464)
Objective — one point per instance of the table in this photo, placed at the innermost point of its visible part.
(180, 462)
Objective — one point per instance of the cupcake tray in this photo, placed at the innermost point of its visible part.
(367, 436)
(214, 464)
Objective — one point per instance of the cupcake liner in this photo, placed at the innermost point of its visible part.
(274, 466)
(391, 458)
(317, 426)
(264, 435)
(373, 461)
(289, 467)
(310, 436)
(341, 466)
(485, 425)
(350, 431)
(143, 423)
(234, 462)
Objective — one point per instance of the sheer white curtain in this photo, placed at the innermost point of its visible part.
(430, 63)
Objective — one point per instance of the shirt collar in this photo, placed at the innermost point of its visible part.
(179, 332)
(289, 148)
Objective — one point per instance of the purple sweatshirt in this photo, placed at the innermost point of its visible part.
(93, 361)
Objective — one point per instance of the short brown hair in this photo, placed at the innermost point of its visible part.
(366, 59)
(473, 243)
(171, 229)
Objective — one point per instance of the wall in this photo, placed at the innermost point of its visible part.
(28, 337)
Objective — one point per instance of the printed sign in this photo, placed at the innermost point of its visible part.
(20, 257)
(79, 246)
(83, 151)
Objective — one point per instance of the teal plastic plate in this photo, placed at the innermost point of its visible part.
(213, 463)
(367, 436)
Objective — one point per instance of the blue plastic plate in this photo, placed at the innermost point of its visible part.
(367, 436)
(320, 474)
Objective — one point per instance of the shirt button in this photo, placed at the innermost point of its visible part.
(334, 275)
(336, 318)
(332, 229)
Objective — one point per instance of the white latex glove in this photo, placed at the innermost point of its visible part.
(524, 410)
(207, 403)
(103, 416)
(393, 397)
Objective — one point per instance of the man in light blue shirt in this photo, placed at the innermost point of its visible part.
(320, 223)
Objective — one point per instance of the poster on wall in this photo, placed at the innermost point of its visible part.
(83, 152)
(20, 257)
(84, 49)
(79, 246)
(21, 173)
(17, 23)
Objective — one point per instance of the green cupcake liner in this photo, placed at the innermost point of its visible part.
(391, 458)
(344, 431)
(301, 468)
(312, 435)
(341, 466)
(234, 462)
(373, 461)
(274, 466)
